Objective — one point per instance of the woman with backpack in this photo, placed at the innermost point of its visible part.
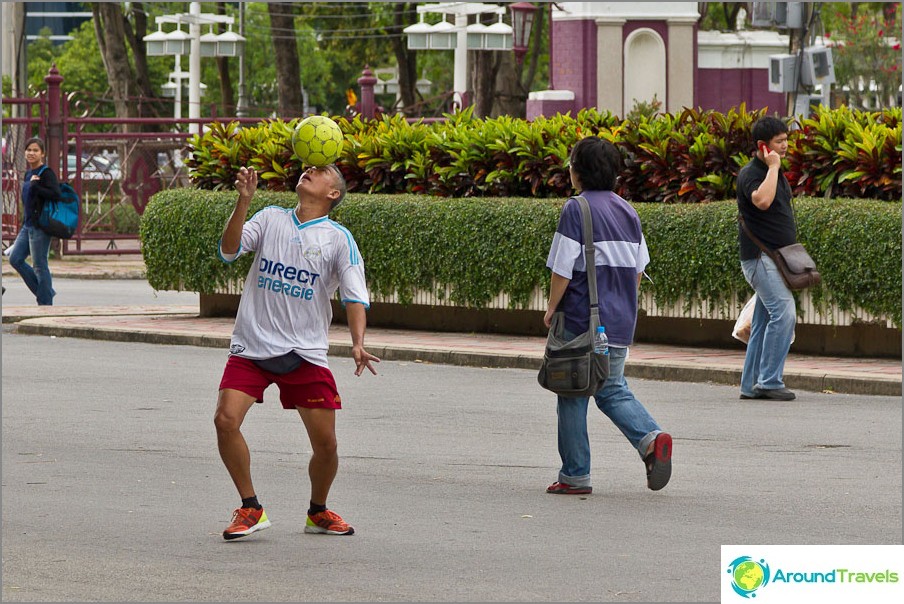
(39, 186)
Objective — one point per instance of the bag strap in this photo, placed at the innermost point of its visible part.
(753, 237)
(590, 260)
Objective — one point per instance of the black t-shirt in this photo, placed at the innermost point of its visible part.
(774, 227)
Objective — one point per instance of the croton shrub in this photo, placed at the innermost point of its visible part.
(687, 157)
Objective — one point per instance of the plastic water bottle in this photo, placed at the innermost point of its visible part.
(601, 343)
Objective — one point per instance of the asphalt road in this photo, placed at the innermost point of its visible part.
(113, 489)
(97, 292)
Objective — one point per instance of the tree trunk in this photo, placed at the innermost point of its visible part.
(403, 14)
(285, 51)
(486, 66)
(227, 95)
(511, 83)
(135, 38)
(511, 96)
(108, 26)
(535, 42)
(731, 10)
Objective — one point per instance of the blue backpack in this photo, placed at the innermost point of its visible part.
(59, 218)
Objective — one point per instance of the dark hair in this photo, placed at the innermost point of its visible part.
(767, 128)
(340, 184)
(37, 141)
(596, 163)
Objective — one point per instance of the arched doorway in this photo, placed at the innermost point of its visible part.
(645, 69)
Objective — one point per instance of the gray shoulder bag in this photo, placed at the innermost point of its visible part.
(570, 367)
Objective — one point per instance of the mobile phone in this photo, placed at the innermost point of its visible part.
(764, 148)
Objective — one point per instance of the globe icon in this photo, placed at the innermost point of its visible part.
(748, 575)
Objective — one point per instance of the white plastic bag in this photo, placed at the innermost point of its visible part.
(741, 329)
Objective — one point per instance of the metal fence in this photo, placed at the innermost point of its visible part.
(115, 164)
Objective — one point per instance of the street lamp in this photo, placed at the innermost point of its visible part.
(498, 36)
(230, 44)
(177, 43)
(460, 36)
(522, 21)
(476, 33)
(156, 43)
(443, 36)
(209, 43)
(193, 44)
(418, 35)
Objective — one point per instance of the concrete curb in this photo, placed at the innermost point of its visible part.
(84, 272)
(652, 370)
(40, 328)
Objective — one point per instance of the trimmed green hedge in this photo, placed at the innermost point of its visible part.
(481, 249)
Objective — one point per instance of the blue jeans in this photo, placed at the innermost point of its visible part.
(771, 329)
(36, 243)
(617, 401)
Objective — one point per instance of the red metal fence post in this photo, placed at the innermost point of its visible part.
(367, 102)
(54, 141)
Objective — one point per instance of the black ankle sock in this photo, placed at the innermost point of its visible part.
(316, 508)
(251, 502)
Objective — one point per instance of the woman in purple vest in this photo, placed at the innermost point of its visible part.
(621, 256)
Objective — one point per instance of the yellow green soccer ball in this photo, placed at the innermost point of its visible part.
(317, 141)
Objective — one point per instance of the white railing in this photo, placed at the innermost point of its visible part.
(808, 311)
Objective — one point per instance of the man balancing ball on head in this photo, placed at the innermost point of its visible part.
(281, 333)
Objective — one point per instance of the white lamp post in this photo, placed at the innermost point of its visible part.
(178, 43)
(460, 36)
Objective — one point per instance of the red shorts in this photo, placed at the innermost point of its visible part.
(310, 386)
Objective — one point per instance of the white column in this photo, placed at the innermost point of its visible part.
(460, 83)
(680, 64)
(194, 67)
(610, 65)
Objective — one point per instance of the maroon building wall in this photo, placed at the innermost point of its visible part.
(574, 60)
(723, 89)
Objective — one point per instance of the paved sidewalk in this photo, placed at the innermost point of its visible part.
(181, 325)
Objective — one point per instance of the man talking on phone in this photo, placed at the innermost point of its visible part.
(764, 205)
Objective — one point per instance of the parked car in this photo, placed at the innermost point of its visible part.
(94, 167)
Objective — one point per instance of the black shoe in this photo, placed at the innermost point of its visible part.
(775, 394)
(756, 394)
(659, 462)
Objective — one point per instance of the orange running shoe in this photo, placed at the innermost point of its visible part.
(245, 521)
(328, 522)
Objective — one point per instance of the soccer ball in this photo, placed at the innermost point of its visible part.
(317, 141)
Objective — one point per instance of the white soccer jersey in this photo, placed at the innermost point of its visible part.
(297, 268)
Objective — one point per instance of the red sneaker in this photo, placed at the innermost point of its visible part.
(328, 522)
(245, 521)
(560, 488)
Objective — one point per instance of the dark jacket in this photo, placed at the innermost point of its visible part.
(35, 193)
